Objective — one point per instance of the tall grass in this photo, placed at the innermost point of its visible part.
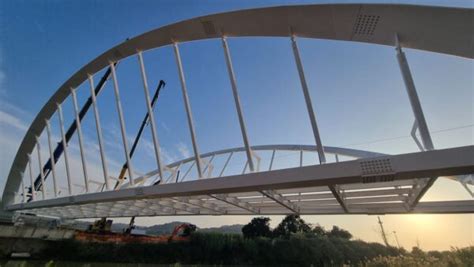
(230, 249)
(227, 249)
(457, 257)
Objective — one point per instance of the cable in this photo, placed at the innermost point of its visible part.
(408, 136)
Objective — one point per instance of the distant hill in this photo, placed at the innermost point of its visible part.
(226, 229)
(166, 228)
(160, 229)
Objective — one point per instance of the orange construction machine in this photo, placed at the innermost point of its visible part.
(181, 233)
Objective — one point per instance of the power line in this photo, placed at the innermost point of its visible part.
(408, 136)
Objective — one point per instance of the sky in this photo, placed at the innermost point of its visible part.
(362, 106)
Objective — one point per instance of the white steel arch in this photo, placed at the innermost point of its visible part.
(444, 30)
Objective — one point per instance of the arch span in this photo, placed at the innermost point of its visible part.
(436, 29)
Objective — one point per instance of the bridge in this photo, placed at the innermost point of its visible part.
(338, 181)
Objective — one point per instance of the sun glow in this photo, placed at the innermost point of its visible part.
(422, 221)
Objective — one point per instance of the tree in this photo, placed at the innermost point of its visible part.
(339, 233)
(257, 227)
(417, 252)
(290, 225)
(318, 230)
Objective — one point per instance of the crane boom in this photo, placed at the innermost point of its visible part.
(122, 177)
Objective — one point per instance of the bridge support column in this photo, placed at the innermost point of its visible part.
(122, 124)
(64, 143)
(235, 93)
(154, 134)
(188, 109)
(79, 135)
(99, 134)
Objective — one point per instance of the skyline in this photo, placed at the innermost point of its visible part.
(383, 111)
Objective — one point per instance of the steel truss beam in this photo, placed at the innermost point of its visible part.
(179, 206)
(340, 199)
(452, 161)
(278, 198)
(152, 207)
(236, 202)
(201, 204)
(341, 151)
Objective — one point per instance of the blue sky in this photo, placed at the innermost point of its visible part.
(357, 90)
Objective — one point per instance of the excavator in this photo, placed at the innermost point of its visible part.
(100, 226)
(182, 232)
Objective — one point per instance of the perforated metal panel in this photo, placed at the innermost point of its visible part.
(366, 24)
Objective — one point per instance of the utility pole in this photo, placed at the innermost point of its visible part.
(384, 236)
(396, 239)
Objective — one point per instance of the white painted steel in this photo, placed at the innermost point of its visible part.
(151, 117)
(278, 198)
(209, 166)
(225, 164)
(122, 124)
(343, 151)
(404, 167)
(23, 192)
(40, 165)
(415, 138)
(307, 98)
(301, 158)
(238, 106)
(245, 166)
(51, 157)
(312, 118)
(413, 97)
(420, 121)
(328, 21)
(98, 128)
(152, 207)
(64, 143)
(81, 139)
(271, 160)
(187, 105)
(234, 196)
(189, 169)
(32, 183)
